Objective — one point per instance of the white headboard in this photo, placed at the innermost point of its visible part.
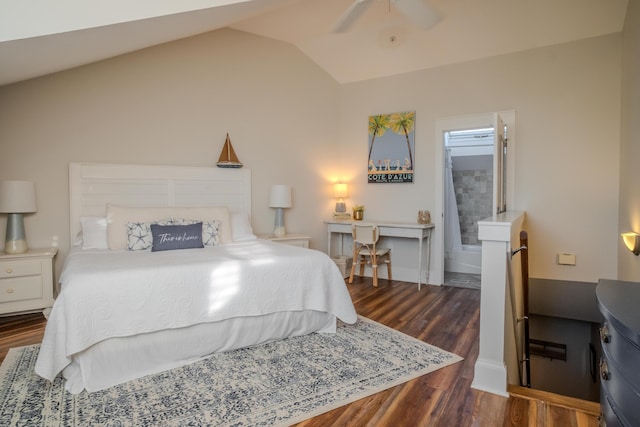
(93, 185)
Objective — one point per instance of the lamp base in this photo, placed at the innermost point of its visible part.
(278, 227)
(15, 240)
(15, 246)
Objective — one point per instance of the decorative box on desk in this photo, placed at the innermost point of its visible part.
(288, 239)
(620, 339)
(26, 281)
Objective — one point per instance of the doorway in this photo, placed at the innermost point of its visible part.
(474, 180)
(468, 198)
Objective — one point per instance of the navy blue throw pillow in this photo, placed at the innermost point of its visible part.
(170, 237)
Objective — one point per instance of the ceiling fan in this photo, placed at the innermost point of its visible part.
(418, 11)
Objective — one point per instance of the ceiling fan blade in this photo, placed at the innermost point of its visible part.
(419, 12)
(351, 15)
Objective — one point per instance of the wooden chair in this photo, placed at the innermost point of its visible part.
(365, 251)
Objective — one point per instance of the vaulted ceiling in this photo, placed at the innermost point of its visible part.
(382, 42)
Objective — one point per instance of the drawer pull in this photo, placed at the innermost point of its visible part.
(604, 334)
(9, 291)
(604, 370)
(9, 270)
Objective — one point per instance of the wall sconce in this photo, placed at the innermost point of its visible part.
(280, 199)
(632, 242)
(340, 191)
(16, 198)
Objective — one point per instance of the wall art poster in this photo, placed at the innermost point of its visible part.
(391, 147)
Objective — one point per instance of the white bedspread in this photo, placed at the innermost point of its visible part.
(121, 293)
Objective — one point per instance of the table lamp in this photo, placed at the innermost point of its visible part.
(340, 191)
(16, 198)
(280, 199)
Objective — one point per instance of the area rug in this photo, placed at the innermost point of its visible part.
(279, 383)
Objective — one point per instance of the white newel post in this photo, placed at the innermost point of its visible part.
(496, 234)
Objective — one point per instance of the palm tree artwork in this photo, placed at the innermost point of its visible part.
(388, 149)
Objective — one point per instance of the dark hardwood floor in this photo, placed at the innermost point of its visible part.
(443, 316)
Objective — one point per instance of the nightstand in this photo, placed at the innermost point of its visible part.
(288, 239)
(26, 281)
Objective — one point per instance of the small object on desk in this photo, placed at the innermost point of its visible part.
(424, 217)
(358, 212)
(293, 239)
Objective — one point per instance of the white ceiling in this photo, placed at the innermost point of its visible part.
(471, 29)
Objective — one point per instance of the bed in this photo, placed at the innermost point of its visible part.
(126, 311)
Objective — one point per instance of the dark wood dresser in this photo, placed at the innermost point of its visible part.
(619, 303)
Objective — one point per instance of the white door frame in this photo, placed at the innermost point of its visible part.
(475, 121)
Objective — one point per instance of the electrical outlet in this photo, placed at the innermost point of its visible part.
(566, 259)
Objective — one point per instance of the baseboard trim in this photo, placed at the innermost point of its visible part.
(586, 406)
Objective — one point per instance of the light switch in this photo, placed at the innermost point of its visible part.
(567, 259)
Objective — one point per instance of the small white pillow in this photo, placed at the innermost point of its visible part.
(94, 232)
(241, 230)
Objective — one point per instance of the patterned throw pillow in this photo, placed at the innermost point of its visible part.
(139, 237)
(210, 230)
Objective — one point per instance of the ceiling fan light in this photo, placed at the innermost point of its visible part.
(419, 12)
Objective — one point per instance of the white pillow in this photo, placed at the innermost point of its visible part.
(241, 230)
(94, 232)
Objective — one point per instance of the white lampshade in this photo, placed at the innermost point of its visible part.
(280, 196)
(340, 190)
(17, 197)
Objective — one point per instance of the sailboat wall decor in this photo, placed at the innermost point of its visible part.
(228, 157)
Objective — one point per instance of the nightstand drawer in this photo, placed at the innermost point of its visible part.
(20, 268)
(20, 288)
(301, 243)
(293, 239)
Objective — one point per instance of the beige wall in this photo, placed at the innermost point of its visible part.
(291, 123)
(629, 220)
(566, 100)
(174, 104)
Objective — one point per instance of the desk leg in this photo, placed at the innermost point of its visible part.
(428, 256)
(419, 261)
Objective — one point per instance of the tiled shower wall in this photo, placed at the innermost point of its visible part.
(474, 190)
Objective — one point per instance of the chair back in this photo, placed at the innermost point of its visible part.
(365, 234)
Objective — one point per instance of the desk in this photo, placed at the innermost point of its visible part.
(421, 232)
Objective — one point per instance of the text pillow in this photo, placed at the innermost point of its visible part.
(170, 237)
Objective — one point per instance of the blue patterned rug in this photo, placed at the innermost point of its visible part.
(279, 383)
